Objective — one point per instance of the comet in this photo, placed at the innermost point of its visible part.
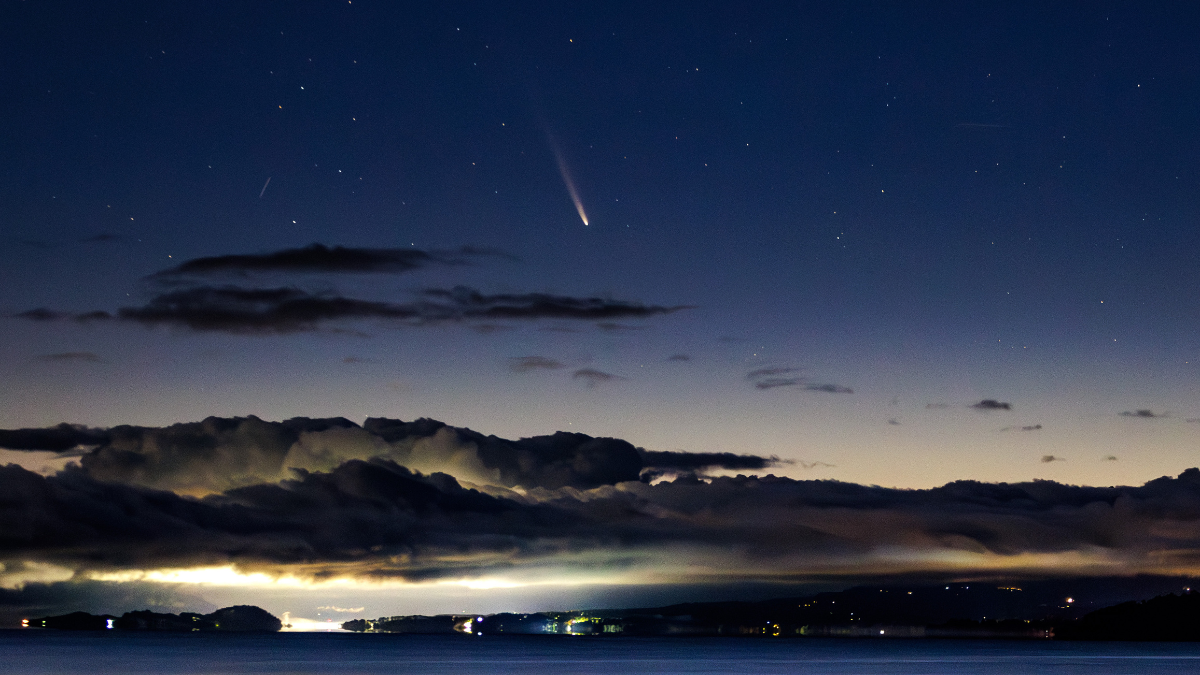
(264, 190)
(567, 180)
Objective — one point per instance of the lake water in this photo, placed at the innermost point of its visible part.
(35, 652)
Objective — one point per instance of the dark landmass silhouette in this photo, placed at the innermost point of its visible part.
(239, 618)
(1168, 618)
(947, 611)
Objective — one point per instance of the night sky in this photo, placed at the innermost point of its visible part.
(887, 246)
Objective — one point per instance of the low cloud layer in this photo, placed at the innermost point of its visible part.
(421, 500)
(379, 519)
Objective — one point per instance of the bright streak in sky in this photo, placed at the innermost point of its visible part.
(566, 176)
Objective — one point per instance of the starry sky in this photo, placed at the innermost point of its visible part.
(884, 245)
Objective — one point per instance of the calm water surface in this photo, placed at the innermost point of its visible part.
(36, 652)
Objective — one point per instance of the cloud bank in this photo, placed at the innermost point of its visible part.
(328, 498)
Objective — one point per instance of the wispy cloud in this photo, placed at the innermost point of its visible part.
(815, 465)
(1143, 414)
(525, 364)
(776, 377)
(678, 358)
(829, 388)
(594, 377)
(1046, 459)
(1031, 427)
(613, 327)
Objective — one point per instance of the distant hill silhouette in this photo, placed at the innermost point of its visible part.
(239, 618)
(1164, 618)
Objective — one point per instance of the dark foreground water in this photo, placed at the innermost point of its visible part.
(35, 652)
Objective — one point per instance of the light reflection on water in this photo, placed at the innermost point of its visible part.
(33, 653)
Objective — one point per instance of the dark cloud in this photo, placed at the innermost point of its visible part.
(694, 461)
(992, 404)
(594, 377)
(57, 439)
(356, 359)
(1109, 458)
(1046, 459)
(376, 519)
(1032, 427)
(936, 406)
(319, 258)
(200, 457)
(525, 364)
(235, 309)
(85, 357)
(829, 388)
(361, 511)
(679, 357)
(1144, 414)
(1193, 420)
(103, 238)
(471, 303)
(220, 454)
(559, 460)
(271, 310)
(894, 421)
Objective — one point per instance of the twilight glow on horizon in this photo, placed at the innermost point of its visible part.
(371, 308)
